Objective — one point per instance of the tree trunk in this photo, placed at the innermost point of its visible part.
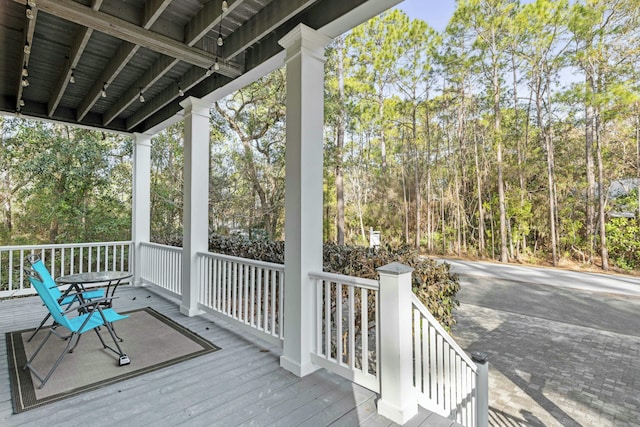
(591, 180)
(416, 176)
(504, 255)
(340, 144)
(550, 178)
(638, 157)
(601, 199)
(521, 245)
(383, 143)
(481, 243)
(430, 228)
(405, 203)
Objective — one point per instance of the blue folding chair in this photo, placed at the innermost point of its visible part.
(90, 316)
(66, 299)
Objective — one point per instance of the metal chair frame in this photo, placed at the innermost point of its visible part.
(91, 316)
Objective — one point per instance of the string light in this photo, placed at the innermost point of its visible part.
(103, 93)
(72, 77)
(225, 6)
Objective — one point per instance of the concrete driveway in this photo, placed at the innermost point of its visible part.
(564, 347)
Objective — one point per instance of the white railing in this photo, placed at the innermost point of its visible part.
(248, 292)
(162, 267)
(347, 327)
(444, 376)
(350, 341)
(60, 259)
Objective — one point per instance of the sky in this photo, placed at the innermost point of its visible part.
(436, 13)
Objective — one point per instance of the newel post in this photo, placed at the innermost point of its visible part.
(482, 362)
(398, 400)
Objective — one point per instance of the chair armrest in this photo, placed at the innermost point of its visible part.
(88, 304)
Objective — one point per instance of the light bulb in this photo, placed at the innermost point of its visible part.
(29, 12)
(22, 102)
(208, 72)
(25, 82)
(72, 77)
(103, 93)
(141, 97)
(216, 66)
(220, 41)
(27, 49)
(31, 3)
(225, 6)
(25, 72)
(180, 91)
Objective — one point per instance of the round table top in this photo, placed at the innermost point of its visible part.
(94, 277)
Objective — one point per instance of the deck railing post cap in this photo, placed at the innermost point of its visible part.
(479, 357)
(395, 268)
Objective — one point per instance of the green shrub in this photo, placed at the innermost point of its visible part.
(432, 282)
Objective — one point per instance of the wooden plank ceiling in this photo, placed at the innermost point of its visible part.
(125, 65)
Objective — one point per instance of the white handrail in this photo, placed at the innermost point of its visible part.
(346, 337)
(347, 280)
(61, 259)
(445, 377)
(162, 267)
(417, 305)
(246, 292)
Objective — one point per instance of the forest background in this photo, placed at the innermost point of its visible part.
(514, 135)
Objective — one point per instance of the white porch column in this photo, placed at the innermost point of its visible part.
(303, 192)
(398, 400)
(141, 200)
(196, 198)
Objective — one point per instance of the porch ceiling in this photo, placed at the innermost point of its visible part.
(157, 48)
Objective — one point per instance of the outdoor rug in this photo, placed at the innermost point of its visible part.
(151, 340)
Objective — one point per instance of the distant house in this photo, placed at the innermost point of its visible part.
(620, 206)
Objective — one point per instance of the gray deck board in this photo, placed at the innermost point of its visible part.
(241, 384)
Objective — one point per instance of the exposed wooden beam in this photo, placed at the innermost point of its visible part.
(207, 18)
(124, 53)
(153, 10)
(191, 78)
(264, 22)
(29, 30)
(116, 27)
(150, 76)
(80, 42)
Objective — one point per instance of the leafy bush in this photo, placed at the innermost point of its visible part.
(432, 282)
(623, 242)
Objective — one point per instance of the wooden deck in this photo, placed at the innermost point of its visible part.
(242, 384)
